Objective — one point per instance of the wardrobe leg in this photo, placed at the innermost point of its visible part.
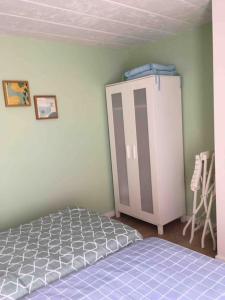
(117, 214)
(160, 229)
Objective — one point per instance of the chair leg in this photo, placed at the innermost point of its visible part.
(192, 228)
(208, 222)
(186, 226)
(204, 234)
(190, 221)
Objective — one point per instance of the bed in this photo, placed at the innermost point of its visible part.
(143, 269)
(35, 254)
(149, 269)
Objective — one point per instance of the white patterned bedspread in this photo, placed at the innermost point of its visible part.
(151, 269)
(38, 253)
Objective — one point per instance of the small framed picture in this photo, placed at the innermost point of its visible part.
(45, 107)
(16, 93)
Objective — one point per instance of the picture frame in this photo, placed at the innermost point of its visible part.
(16, 93)
(45, 107)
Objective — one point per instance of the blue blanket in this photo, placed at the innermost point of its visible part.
(150, 269)
(150, 67)
(147, 73)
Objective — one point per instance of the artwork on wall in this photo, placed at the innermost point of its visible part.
(16, 93)
(45, 107)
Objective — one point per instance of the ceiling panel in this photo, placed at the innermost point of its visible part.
(79, 21)
(172, 9)
(23, 25)
(108, 22)
(199, 3)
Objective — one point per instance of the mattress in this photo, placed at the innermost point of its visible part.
(150, 269)
(38, 253)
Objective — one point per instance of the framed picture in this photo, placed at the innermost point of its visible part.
(45, 107)
(16, 92)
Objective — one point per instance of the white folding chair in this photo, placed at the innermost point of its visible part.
(198, 182)
(209, 195)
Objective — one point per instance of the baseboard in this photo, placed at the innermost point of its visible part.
(110, 214)
(185, 218)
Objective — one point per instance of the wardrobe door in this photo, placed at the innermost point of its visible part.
(119, 119)
(142, 110)
(120, 148)
(143, 150)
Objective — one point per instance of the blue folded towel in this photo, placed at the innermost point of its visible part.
(158, 67)
(151, 72)
(138, 70)
(149, 67)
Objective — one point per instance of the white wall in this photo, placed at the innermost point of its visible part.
(219, 117)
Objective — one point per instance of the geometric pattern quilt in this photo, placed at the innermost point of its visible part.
(152, 269)
(40, 252)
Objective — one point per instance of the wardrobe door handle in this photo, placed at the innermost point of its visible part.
(134, 152)
(128, 151)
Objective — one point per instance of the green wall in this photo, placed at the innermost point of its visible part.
(191, 52)
(45, 165)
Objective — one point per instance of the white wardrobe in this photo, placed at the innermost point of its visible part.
(145, 129)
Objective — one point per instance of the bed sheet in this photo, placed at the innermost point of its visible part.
(150, 269)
